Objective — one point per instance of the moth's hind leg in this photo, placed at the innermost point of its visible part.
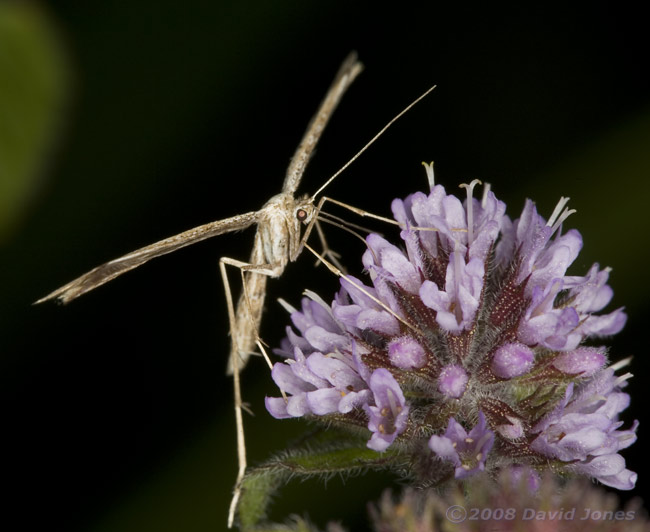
(239, 421)
(244, 332)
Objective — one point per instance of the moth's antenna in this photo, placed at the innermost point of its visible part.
(381, 132)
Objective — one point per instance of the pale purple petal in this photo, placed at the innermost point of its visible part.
(277, 407)
(623, 480)
(390, 263)
(444, 448)
(378, 320)
(352, 400)
(338, 373)
(287, 379)
(325, 341)
(605, 325)
(553, 261)
(297, 405)
(324, 401)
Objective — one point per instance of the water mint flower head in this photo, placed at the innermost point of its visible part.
(469, 350)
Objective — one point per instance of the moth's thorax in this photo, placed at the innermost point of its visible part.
(279, 227)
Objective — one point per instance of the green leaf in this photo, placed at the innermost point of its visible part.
(329, 453)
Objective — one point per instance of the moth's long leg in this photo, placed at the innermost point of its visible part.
(244, 327)
(239, 421)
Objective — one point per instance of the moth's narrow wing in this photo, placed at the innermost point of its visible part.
(110, 270)
(349, 70)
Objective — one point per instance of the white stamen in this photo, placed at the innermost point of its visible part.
(558, 209)
(565, 214)
(560, 213)
(470, 209)
(620, 380)
(621, 363)
(429, 168)
(286, 306)
(486, 191)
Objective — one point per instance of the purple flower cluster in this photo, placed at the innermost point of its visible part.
(467, 349)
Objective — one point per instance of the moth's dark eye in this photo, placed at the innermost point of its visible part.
(301, 214)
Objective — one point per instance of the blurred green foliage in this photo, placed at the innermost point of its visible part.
(34, 82)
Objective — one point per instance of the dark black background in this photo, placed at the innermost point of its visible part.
(118, 415)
